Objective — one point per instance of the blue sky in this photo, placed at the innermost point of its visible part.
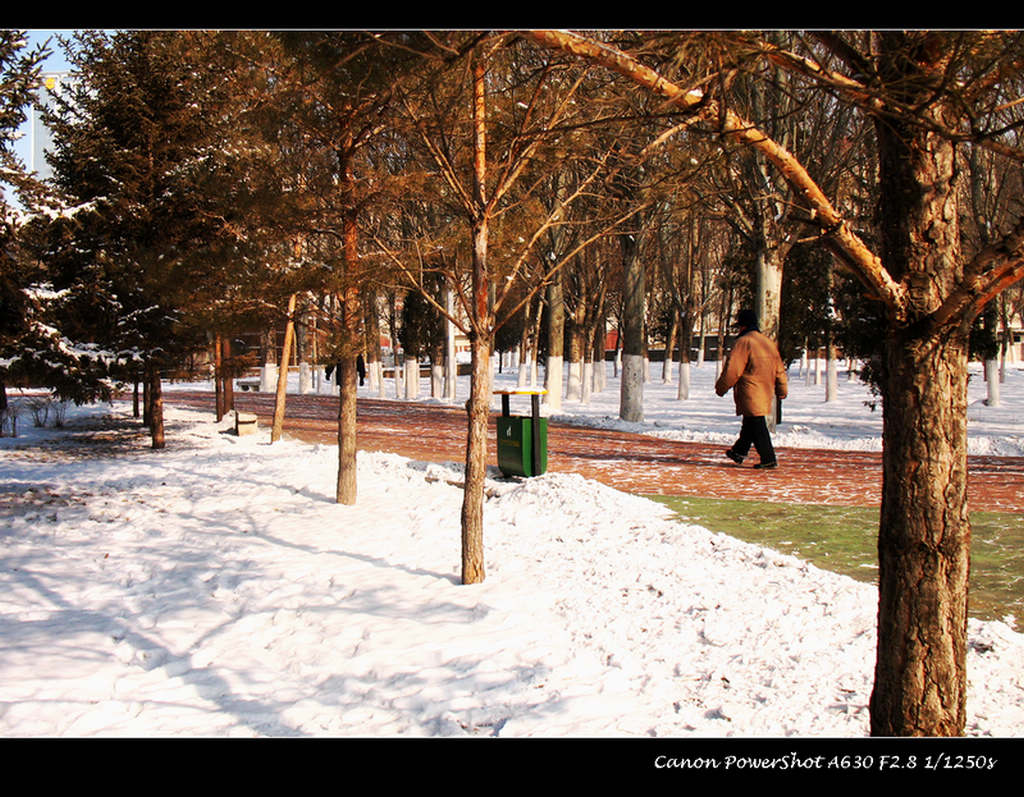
(56, 61)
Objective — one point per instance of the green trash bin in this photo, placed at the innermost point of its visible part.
(522, 441)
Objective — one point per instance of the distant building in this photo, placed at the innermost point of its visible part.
(41, 139)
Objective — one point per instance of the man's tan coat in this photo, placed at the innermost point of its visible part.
(754, 370)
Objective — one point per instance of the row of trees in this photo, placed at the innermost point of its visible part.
(544, 179)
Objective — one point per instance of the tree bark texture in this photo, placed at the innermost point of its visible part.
(478, 409)
(631, 394)
(556, 342)
(923, 542)
(346, 486)
(218, 380)
(351, 317)
(227, 375)
(924, 533)
(156, 422)
(481, 340)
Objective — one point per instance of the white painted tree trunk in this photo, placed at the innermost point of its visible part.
(436, 380)
(768, 294)
(268, 378)
(553, 372)
(992, 382)
(305, 378)
(832, 382)
(372, 375)
(574, 388)
(451, 365)
(683, 391)
(631, 391)
(523, 375)
(412, 378)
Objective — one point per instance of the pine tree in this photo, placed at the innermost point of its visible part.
(143, 145)
(39, 340)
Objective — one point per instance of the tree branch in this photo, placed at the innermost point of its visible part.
(867, 264)
(993, 269)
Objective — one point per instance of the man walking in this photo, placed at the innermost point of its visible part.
(754, 372)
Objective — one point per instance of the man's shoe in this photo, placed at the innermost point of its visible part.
(765, 465)
(733, 456)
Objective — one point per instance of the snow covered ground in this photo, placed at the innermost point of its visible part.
(215, 589)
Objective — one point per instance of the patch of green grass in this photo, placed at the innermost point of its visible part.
(843, 540)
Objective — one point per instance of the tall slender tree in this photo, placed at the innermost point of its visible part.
(496, 95)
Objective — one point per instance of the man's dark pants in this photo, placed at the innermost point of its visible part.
(754, 431)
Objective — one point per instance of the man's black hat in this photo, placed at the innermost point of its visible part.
(746, 318)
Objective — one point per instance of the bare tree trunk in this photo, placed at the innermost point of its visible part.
(924, 533)
(769, 292)
(631, 394)
(600, 367)
(724, 321)
(371, 327)
(351, 319)
(218, 380)
(282, 373)
(437, 370)
(345, 492)
(923, 542)
(556, 343)
(683, 390)
(481, 341)
(451, 365)
(670, 348)
(411, 372)
(769, 301)
(526, 353)
(227, 375)
(574, 387)
(478, 409)
(268, 370)
(831, 375)
(156, 422)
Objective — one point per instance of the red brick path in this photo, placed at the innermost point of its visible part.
(630, 462)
